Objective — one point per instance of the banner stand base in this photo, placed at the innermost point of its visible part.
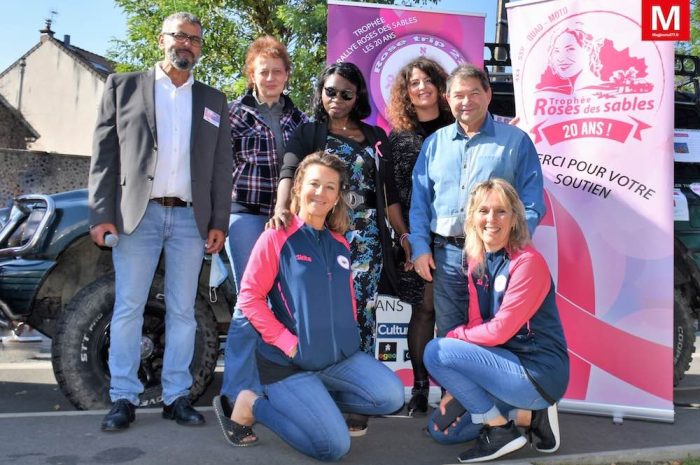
(618, 412)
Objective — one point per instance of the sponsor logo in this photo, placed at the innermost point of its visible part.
(303, 258)
(387, 351)
(392, 329)
(406, 355)
(666, 20)
(343, 261)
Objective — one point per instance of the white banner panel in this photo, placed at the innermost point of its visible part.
(598, 102)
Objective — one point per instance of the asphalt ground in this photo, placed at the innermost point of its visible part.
(39, 426)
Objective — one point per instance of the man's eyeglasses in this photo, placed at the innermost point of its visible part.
(182, 37)
(344, 94)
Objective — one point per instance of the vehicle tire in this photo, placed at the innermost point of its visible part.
(80, 348)
(683, 335)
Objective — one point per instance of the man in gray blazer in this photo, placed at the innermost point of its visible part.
(160, 181)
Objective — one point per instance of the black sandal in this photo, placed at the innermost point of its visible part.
(357, 424)
(234, 432)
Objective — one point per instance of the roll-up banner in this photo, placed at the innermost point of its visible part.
(380, 39)
(598, 103)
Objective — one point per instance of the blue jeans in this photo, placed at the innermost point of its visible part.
(173, 231)
(240, 368)
(487, 381)
(450, 286)
(305, 409)
(244, 229)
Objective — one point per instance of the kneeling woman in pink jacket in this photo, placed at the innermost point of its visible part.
(309, 360)
(508, 366)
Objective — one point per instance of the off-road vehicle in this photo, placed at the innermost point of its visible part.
(54, 278)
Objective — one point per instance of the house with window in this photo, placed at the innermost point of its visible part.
(56, 87)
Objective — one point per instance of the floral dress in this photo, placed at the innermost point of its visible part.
(363, 234)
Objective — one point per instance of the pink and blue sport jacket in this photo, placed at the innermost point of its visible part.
(513, 306)
(306, 276)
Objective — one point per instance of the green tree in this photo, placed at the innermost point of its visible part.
(685, 83)
(230, 26)
(693, 46)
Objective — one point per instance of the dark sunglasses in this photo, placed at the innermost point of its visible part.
(344, 94)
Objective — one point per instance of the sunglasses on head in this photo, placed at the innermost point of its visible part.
(344, 94)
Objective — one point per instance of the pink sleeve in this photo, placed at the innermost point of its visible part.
(528, 286)
(257, 281)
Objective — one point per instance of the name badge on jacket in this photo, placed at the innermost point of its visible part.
(212, 117)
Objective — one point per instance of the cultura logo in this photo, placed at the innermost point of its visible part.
(392, 329)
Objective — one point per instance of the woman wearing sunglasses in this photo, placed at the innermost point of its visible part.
(341, 102)
(417, 108)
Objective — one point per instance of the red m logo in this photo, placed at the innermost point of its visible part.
(666, 20)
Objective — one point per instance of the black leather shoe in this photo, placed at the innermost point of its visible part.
(120, 416)
(183, 413)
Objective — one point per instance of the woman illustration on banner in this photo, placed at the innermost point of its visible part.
(508, 366)
(262, 121)
(417, 108)
(573, 62)
(297, 292)
(341, 102)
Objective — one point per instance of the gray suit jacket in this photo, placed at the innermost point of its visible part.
(125, 148)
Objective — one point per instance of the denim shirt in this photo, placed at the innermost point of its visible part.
(451, 163)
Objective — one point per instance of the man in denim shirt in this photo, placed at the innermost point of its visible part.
(454, 159)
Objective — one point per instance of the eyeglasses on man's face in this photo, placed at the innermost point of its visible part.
(345, 94)
(182, 38)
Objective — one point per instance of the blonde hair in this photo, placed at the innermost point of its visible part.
(338, 219)
(519, 235)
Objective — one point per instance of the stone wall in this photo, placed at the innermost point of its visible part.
(25, 172)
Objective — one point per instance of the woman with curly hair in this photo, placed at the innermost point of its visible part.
(417, 108)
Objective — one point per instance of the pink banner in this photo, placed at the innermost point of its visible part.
(598, 102)
(380, 39)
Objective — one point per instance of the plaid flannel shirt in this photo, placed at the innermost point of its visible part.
(255, 167)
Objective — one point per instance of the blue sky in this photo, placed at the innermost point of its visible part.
(92, 24)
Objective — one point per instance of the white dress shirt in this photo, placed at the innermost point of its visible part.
(174, 126)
